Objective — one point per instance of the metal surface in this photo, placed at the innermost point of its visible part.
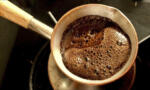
(138, 15)
(52, 17)
(60, 82)
(38, 75)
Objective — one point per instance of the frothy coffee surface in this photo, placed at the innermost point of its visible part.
(94, 47)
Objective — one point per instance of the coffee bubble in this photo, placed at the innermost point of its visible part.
(91, 49)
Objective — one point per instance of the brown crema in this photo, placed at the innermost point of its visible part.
(94, 47)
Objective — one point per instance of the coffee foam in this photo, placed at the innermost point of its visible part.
(95, 53)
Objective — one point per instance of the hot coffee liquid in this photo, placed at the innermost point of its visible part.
(94, 47)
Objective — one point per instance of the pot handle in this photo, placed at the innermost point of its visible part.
(13, 13)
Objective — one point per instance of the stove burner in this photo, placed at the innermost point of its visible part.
(39, 73)
(39, 76)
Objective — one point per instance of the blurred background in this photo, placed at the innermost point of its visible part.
(19, 47)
